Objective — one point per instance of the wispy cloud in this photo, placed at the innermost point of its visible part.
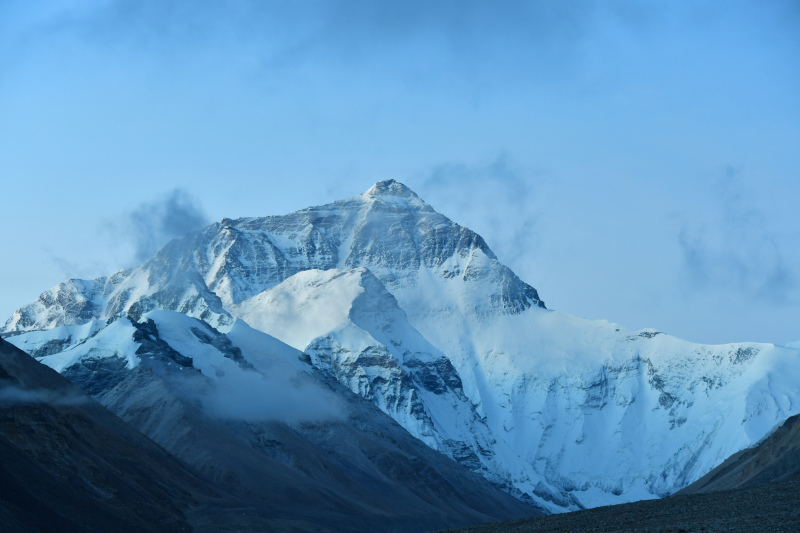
(285, 397)
(495, 199)
(136, 235)
(83, 269)
(283, 394)
(539, 38)
(738, 251)
(151, 225)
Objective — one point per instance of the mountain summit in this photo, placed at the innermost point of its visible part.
(388, 229)
(391, 188)
(415, 314)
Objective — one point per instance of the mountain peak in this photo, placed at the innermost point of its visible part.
(391, 188)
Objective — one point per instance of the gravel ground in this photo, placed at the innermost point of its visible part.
(769, 507)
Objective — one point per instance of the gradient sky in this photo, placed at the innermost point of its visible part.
(637, 161)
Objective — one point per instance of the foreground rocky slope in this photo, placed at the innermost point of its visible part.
(775, 459)
(766, 507)
(415, 314)
(67, 464)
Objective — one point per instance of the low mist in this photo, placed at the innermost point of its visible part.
(285, 395)
(13, 395)
(153, 224)
(287, 398)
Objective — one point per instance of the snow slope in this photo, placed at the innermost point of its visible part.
(609, 416)
(351, 326)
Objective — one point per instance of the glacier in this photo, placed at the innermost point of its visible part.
(416, 314)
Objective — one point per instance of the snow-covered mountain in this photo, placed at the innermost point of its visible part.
(415, 313)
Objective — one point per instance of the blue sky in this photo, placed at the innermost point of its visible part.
(637, 161)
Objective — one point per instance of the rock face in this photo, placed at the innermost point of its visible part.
(416, 314)
(387, 229)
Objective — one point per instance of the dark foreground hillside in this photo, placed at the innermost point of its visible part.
(768, 507)
(67, 464)
(774, 459)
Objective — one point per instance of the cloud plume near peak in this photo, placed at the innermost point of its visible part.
(153, 224)
(473, 191)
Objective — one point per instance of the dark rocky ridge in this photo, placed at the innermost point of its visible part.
(773, 507)
(358, 474)
(67, 464)
(776, 458)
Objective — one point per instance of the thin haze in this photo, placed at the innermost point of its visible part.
(634, 161)
(152, 224)
(283, 396)
(14, 395)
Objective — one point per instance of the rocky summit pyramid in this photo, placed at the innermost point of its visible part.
(414, 313)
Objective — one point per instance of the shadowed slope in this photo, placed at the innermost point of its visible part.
(774, 459)
(67, 464)
(767, 507)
